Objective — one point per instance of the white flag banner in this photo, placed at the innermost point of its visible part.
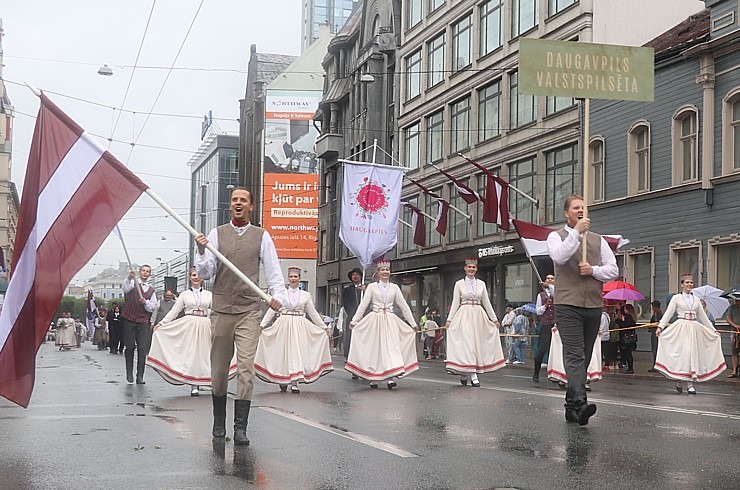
(371, 200)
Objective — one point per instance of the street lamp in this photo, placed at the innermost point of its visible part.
(105, 71)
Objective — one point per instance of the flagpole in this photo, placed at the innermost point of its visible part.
(130, 265)
(33, 89)
(586, 136)
(450, 205)
(382, 165)
(210, 247)
(521, 193)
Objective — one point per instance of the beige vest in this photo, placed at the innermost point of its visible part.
(230, 294)
(573, 289)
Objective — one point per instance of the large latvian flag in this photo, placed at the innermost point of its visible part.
(73, 195)
(371, 200)
(534, 241)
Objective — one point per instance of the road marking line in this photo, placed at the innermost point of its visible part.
(366, 440)
(559, 395)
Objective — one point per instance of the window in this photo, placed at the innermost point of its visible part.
(523, 107)
(685, 259)
(436, 60)
(489, 111)
(518, 283)
(413, 75)
(563, 178)
(731, 133)
(462, 43)
(640, 274)
(523, 176)
(407, 233)
(524, 16)
(685, 146)
(638, 159)
(324, 244)
(432, 209)
(435, 4)
(411, 134)
(482, 228)
(414, 13)
(460, 125)
(556, 104)
(555, 6)
(459, 227)
(435, 136)
(724, 268)
(490, 26)
(596, 159)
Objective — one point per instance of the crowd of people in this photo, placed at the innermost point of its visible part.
(204, 338)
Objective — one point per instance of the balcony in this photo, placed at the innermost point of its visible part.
(329, 146)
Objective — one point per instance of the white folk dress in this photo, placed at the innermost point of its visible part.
(556, 366)
(181, 348)
(294, 348)
(689, 349)
(66, 336)
(473, 343)
(382, 346)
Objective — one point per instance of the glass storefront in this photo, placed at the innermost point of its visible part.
(518, 283)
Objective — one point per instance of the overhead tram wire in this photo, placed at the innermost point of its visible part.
(131, 78)
(164, 83)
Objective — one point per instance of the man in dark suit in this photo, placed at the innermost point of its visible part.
(351, 297)
(656, 316)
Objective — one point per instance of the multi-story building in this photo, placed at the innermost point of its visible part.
(667, 174)
(107, 284)
(454, 89)
(357, 110)
(317, 14)
(214, 173)
(9, 201)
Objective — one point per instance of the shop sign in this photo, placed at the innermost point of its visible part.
(495, 251)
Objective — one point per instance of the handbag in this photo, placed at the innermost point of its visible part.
(629, 337)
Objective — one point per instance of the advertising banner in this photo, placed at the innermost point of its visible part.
(585, 70)
(290, 213)
(289, 131)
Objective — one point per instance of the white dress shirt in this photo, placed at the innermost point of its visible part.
(151, 303)
(207, 264)
(562, 250)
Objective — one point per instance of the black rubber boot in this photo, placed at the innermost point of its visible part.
(241, 414)
(219, 416)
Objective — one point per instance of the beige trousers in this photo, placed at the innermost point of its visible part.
(243, 331)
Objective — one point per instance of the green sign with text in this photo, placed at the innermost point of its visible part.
(585, 70)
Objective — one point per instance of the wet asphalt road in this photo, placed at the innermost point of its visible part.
(87, 428)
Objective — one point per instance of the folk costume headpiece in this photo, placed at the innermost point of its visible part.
(379, 264)
(687, 277)
(471, 261)
(294, 270)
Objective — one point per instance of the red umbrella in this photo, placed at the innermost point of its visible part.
(612, 285)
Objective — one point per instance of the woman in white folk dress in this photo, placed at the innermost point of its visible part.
(181, 347)
(556, 367)
(473, 344)
(689, 349)
(382, 346)
(295, 348)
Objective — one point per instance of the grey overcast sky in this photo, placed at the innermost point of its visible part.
(59, 46)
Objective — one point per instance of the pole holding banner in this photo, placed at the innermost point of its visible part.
(586, 137)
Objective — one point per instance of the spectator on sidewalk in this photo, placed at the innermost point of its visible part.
(628, 338)
(507, 329)
(520, 327)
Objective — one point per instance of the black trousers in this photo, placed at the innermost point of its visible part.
(346, 340)
(627, 356)
(543, 346)
(116, 337)
(654, 345)
(136, 336)
(578, 328)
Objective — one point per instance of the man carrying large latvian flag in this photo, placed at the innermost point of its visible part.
(371, 200)
(73, 195)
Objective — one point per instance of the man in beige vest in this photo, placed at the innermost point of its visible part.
(236, 312)
(578, 302)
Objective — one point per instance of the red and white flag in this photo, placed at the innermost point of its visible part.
(443, 208)
(73, 195)
(420, 227)
(496, 207)
(466, 193)
(534, 240)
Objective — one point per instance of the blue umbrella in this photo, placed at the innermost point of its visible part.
(529, 307)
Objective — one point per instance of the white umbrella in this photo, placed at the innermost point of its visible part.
(711, 296)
